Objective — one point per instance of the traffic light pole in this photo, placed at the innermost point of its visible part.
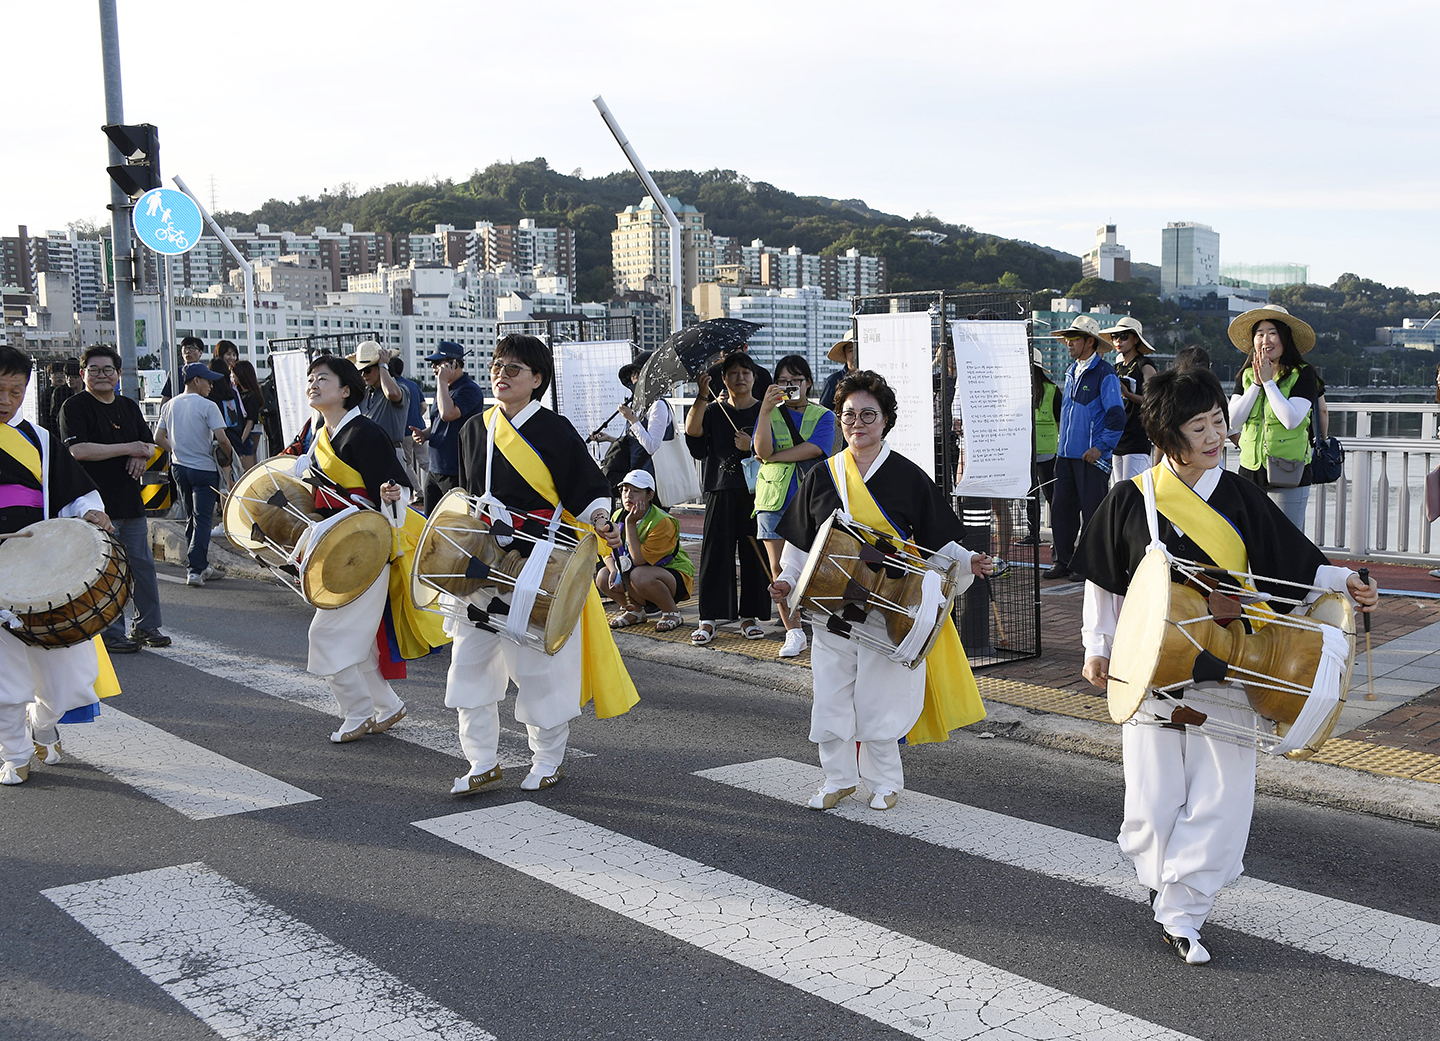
(124, 251)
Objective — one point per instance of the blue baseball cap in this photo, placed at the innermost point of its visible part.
(447, 350)
(200, 371)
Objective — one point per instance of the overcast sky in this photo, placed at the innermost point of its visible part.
(1301, 131)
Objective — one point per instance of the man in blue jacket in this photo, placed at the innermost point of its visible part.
(1092, 418)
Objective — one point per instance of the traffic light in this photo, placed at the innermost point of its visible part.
(140, 145)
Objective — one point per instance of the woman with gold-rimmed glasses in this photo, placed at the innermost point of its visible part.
(861, 695)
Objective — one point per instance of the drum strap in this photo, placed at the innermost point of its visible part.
(21, 449)
(603, 675)
(349, 479)
(952, 698)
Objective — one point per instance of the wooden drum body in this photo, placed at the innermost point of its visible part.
(459, 556)
(268, 512)
(853, 570)
(66, 581)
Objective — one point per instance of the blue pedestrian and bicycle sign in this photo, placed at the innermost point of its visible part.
(167, 220)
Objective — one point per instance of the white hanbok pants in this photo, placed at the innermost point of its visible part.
(343, 649)
(861, 696)
(482, 664)
(55, 679)
(1188, 804)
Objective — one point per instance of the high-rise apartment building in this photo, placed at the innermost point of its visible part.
(640, 246)
(1189, 257)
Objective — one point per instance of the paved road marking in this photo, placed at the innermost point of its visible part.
(184, 776)
(905, 983)
(292, 683)
(1379, 940)
(247, 969)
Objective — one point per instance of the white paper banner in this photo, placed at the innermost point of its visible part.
(899, 347)
(587, 378)
(30, 403)
(289, 369)
(992, 371)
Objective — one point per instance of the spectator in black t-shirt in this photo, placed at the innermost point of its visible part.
(107, 433)
(190, 350)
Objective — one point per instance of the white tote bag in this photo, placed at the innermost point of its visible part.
(675, 474)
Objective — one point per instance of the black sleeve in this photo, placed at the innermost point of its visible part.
(1240, 380)
(369, 451)
(1111, 546)
(699, 447)
(578, 477)
(934, 522)
(473, 439)
(1307, 385)
(74, 423)
(812, 505)
(68, 479)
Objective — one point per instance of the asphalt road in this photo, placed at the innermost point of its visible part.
(644, 942)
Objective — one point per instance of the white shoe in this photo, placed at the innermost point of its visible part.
(194, 579)
(795, 643)
(884, 800)
(382, 725)
(212, 574)
(473, 782)
(49, 754)
(353, 731)
(14, 773)
(541, 777)
(828, 798)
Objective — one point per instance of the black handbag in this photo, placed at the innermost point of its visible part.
(1328, 460)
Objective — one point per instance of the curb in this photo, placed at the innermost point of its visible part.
(169, 545)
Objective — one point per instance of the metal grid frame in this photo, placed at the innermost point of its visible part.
(998, 618)
(329, 343)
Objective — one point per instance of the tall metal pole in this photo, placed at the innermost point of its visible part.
(676, 277)
(123, 251)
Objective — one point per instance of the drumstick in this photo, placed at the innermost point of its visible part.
(764, 560)
(18, 535)
(1369, 662)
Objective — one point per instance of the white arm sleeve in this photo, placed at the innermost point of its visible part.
(1241, 405)
(1102, 611)
(83, 505)
(1290, 411)
(1331, 577)
(651, 432)
(792, 562)
(947, 554)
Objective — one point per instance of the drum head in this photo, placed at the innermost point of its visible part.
(450, 537)
(571, 592)
(253, 503)
(1139, 636)
(60, 559)
(812, 562)
(345, 559)
(1332, 609)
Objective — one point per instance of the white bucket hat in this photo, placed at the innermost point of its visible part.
(1130, 325)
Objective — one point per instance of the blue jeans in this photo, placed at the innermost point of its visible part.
(134, 534)
(198, 496)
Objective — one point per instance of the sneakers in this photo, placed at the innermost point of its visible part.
(149, 637)
(213, 574)
(795, 643)
(1192, 952)
(828, 799)
(884, 800)
(379, 726)
(194, 578)
(119, 644)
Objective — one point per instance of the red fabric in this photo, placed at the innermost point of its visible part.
(390, 667)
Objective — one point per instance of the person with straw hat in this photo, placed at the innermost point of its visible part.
(1273, 405)
(1132, 454)
(842, 351)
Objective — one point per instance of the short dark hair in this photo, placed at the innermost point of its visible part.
(14, 362)
(874, 383)
(797, 364)
(1290, 357)
(1192, 357)
(348, 375)
(101, 348)
(225, 347)
(739, 358)
(193, 341)
(1175, 397)
(530, 351)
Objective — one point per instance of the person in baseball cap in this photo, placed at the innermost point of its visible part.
(386, 402)
(649, 565)
(457, 398)
(200, 371)
(1134, 368)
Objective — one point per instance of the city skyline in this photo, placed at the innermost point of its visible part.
(1295, 136)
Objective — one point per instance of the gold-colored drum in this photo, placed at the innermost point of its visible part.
(459, 565)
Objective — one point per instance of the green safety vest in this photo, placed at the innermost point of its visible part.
(1264, 435)
(677, 559)
(1047, 427)
(773, 483)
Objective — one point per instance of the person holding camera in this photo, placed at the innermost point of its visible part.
(791, 436)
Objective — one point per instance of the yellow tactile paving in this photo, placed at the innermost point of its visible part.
(1365, 756)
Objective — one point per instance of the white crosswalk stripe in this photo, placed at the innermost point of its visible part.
(897, 980)
(1379, 940)
(294, 684)
(184, 776)
(247, 969)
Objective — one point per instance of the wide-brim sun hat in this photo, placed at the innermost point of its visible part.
(837, 352)
(1083, 325)
(1242, 327)
(1129, 325)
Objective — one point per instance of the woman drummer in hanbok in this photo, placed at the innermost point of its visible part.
(363, 645)
(1189, 797)
(41, 686)
(861, 695)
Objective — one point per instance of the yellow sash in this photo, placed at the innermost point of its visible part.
(18, 447)
(603, 676)
(951, 697)
(1204, 526)
(416, 631)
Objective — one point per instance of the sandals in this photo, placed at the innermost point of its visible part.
(669, 622)
(750, 629)
(704, 633)
(626, 619)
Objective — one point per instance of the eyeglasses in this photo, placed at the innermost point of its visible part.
(108, 370)
(509, 369)
(868, 416)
